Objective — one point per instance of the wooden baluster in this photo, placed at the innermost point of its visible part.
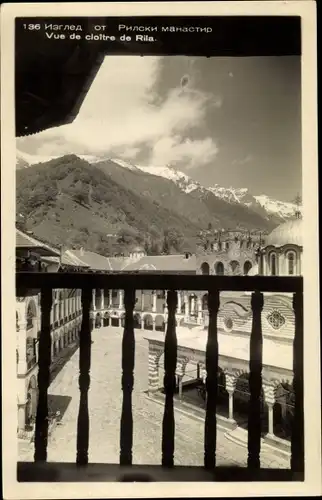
(84, 379)
(255, 382)
(169, 381)
(128, 355)
(211, 382)
(41, 431)
(297, 447)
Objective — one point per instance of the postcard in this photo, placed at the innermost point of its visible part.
(160, 250)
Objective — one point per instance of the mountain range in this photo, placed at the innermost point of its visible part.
(106, 204)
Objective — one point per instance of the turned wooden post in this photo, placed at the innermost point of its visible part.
(169, 381)
(84, 379)
(128, 355)
(211, 382)
(255, 382)
(41, 431)
(297, 445)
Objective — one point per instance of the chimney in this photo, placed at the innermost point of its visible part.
(81, 251)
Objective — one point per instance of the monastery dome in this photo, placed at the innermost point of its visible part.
(289, 232)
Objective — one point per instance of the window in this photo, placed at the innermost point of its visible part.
(234, 264)
(205, 268)
(219, 268)
(273, 264)
(30, 317)
(247, 267)
(291, 263)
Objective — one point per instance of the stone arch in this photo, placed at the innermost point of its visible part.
(66, 339)
(272, 263)
(283, 409)
(115, 321)
(106, 319)
(222, 395)
(148, 322)
(137, 320)
(204, 300)
(290, 256)
(219, 268)
(98, 320)
(234, 266)
(239, 372)
(159, 323)
(31, 314)
(205, 268)
(247, 267)
(241, 402)
(30, 351)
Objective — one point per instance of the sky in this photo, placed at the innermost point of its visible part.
(228, 121)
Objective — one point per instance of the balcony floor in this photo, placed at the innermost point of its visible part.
(69, 472)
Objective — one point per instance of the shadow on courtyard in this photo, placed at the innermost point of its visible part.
(58, 403)
(61, 360)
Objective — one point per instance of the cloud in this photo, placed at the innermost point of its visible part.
(123, 113)
(193, 153)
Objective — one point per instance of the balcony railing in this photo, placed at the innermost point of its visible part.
(167, 471)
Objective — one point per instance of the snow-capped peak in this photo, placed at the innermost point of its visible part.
(183, 181)
(124, 164)
(233, 195)
(282, 208)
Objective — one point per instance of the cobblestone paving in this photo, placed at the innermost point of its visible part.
(105, 399)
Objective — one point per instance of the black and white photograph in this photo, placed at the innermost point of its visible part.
(164, 230)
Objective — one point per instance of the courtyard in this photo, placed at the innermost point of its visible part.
(105, 401)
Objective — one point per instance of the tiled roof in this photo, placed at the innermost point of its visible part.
(69, 259)
(233, 346)
(163, 263)
(94, 260)
(118, 263)
(25, 241)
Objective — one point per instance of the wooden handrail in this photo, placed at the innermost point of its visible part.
(165, 281)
